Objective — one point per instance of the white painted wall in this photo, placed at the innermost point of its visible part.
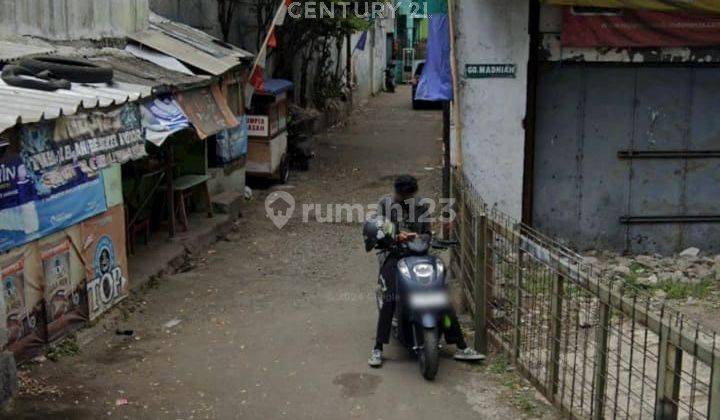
(369, 65)
(73, 19)
(492, 110)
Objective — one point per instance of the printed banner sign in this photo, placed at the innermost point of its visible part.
(30, 210)
(91, 141)
(637, 28)
(233, 143)
(20, 271)
(64, 294)
(106, 269)
(689, 6)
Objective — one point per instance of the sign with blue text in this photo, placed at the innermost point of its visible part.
(29, 210)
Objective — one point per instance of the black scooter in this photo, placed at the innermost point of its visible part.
(422, 301)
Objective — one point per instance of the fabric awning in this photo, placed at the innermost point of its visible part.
(696, 6)
(161, 118)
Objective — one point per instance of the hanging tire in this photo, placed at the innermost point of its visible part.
(429, 355)
(72, 69)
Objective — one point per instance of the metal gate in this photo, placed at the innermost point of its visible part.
(628, 157)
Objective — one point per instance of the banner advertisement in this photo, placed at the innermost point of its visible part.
(91, 141)
(30, 209)
(24, 320)
(232, 143)
(64, 295)
(637, 28)
(103, 250)
(689, 6)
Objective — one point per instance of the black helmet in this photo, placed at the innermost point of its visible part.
(377, 230)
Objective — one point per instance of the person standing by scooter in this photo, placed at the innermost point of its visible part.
(409, 217)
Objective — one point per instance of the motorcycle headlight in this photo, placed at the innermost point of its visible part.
(424, 273)
(404, 270)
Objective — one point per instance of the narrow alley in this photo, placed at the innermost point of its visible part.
(278, 323)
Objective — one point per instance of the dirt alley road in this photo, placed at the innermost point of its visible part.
(280, 323)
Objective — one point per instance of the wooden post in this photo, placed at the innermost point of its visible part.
(555, 334)
(667, 392)
(479, 285)
(517, 308)
(714, 405)
(170, 188)
(601, 339)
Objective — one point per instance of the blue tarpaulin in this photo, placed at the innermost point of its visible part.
(436, 80)
(361, 42)
(277, 86)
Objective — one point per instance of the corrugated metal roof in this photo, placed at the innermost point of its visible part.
(130, 69)
(21, 105)
(191, 46)
(10, 50)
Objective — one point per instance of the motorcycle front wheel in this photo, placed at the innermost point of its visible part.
(428, 356)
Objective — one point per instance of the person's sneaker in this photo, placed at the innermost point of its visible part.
(375, 359)
(468, 354)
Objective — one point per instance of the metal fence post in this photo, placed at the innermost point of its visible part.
(555, 334)
(481, 344)
(668, 379)
(601, 341)
(517, 308)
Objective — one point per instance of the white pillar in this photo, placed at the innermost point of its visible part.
(492, 109)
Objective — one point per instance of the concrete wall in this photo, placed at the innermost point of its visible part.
(492, 110)
(72, 19)
(369, 65)
(202, 14)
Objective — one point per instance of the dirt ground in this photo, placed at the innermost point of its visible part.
(279, 323)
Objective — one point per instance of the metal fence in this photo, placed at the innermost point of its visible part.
(595, 347)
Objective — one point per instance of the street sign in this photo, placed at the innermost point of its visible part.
(487, 71)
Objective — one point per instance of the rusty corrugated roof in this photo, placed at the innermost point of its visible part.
(191, 46)
(130, 69)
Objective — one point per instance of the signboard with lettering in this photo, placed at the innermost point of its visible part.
(91, 141)
(258, 126)
(103, 248)
(488, 71)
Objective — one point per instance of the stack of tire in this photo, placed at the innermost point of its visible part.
(53, 72)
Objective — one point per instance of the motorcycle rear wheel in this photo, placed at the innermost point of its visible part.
(429, 357)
